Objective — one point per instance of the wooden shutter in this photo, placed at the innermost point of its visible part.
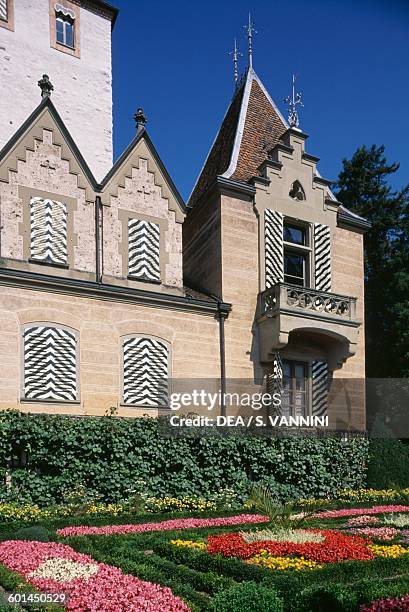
(319, 388)
(273, 240)
(274, 381)
(144, 250)
(50, 364)
(145, 371)
(322, 254)
(48, 237)
(3, 10)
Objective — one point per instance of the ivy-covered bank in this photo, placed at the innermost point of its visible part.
(42, 456)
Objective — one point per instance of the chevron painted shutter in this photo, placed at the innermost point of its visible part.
(3, 10)
(273, 240)
(145, 371)
(48, 237)
(319, 388)
(274, 382)
(50, 364)
(143, 240)
(322, 253)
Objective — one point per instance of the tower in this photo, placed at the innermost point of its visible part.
(70, 41)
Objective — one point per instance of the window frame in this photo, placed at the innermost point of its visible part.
(169, 368)
(8, 23)
(75, 9)
(299, 249)
(53, 324)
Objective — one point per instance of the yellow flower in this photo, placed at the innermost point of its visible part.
(189, 544)
(264, 559)
(394, 551)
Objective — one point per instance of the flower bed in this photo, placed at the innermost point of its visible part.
(187, 523)
(355, 511)
(380, 533)
(88, 585)
(363, 520)
(335, 547)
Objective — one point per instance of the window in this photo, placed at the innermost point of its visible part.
(50, 363)
(296, 254)
(3, 10)
(7, 14)
(295, 388)
(48, 231)
(144, 250)
(145, 371)
(64, 29)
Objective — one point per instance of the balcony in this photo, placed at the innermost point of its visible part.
(311, 315)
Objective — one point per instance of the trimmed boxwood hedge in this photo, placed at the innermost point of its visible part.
(110, 455)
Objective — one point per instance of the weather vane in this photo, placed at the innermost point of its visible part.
(235, 53)
(293, 101)
(250, 29)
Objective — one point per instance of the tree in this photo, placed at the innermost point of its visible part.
(363, 187)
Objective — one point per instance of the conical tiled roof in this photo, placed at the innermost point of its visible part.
(251, 127)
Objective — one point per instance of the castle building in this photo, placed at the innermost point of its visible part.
(111, 285)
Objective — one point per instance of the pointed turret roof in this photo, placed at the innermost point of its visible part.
(251, 127)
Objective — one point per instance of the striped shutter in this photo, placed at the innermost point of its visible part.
(50, 364)
(48, 236)
(274, 381)
(322, 254)
(319, 388)
(3, 10)
(144, 258)
(273, 240)
(145, 371)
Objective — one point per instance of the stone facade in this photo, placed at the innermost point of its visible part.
(82, 85)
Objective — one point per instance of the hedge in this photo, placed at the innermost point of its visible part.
(388, 464)
(110, 456)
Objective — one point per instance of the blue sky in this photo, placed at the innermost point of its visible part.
(351, 56)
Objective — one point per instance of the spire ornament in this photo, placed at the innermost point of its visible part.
(140, 119)
(293, 101)
(250, 29)
(46, 86)
(235, 53)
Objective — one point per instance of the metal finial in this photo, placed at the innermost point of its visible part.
(250, 29)
(46, 86)
(293, 100)
(140, 119)
(235, 53)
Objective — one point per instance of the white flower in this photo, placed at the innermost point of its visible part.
(64, 570)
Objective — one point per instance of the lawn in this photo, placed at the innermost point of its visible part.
(347, 558)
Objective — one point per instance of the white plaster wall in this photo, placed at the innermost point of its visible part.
(82, 86)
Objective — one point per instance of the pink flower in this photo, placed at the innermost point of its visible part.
(354, 511)
(381, 533)
(107, 590)
(363, 519)
(169, 525)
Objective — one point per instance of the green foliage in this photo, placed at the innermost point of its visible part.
(247, 596)
(282, 515)
(388, 465)
(334, 597)
(36, 533)
(363, 187)
(109, 456)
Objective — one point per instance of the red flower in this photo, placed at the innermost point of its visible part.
(335, 547)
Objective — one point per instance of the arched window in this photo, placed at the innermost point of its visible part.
(145, 363)
(297, 192)
(50, 363)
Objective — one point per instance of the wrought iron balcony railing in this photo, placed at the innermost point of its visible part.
(286, 297)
